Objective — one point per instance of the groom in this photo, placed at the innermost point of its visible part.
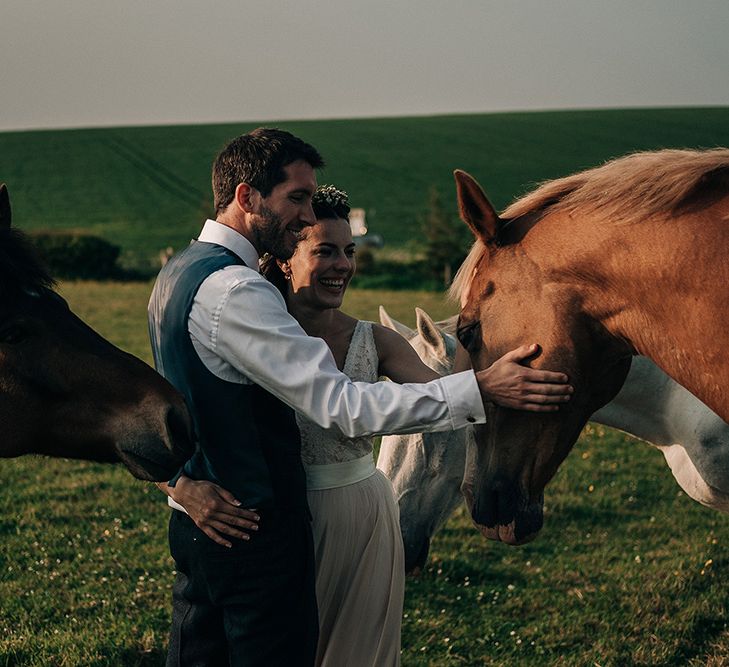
(221, 334)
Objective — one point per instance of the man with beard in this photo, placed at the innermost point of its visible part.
(221, 334)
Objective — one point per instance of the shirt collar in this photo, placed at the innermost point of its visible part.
(220, 234)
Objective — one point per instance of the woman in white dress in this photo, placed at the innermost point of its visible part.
(358, 546)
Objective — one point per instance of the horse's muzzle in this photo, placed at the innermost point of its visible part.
(157, 451)
(504, 514)
(416, 555)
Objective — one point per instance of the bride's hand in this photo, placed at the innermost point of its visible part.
(214, 510)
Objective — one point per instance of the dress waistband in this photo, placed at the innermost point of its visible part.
(334, 475)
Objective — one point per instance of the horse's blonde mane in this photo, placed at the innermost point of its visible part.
(625, 190)
(462, 279)
(630, 188)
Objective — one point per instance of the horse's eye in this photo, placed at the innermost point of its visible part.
(14, 333)
(469, 335)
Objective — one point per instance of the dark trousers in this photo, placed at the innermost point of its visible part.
(252, 604)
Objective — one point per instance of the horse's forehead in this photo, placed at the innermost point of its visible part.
(507, 278)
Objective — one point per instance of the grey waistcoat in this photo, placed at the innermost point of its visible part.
(248, 441)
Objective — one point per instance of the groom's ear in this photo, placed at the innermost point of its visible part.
(246, 197)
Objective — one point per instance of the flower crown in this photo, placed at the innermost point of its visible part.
(331, 196)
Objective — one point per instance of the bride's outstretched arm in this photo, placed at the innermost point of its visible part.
(398, 360)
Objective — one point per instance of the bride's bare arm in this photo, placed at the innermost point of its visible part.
(398, 360)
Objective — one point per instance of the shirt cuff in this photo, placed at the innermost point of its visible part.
(463, 396)
(175, 505)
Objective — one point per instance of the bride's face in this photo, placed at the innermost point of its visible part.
(322, 264)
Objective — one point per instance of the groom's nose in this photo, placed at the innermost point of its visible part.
(307, 215)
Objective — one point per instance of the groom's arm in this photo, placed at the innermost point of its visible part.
(241, 322)
(242, 332)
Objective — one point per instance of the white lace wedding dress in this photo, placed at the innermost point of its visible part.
(360, 578)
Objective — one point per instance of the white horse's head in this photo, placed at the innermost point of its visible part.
(426, 469)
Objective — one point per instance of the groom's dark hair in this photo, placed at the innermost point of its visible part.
(258, 158)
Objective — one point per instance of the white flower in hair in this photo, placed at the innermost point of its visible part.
(333, 197)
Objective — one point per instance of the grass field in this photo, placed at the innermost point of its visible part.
(148, 188)
(628, 570)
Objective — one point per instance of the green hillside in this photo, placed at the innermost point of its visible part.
(147, 188)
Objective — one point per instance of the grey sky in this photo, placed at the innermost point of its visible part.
(78, 63)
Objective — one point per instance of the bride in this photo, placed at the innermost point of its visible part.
(358, 547)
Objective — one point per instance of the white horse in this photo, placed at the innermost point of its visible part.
(427, 469)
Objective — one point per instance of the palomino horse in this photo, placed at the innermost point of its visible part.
(628, 258)
(426, 470)
(65, 391)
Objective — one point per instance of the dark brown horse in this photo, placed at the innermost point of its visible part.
(64, 390)
(628, 258)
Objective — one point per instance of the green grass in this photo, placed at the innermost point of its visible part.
(148, 188)
(628, 570)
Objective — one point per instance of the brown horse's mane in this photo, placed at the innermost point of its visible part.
(21, 270)
(626, 190)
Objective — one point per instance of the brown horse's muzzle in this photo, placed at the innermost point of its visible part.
(158, 451)
(502, 512)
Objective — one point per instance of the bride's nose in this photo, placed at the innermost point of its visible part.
(343, 263)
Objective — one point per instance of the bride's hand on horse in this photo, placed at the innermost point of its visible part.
(214, 510)
(507, 382)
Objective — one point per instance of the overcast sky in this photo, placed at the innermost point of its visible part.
(81, 63)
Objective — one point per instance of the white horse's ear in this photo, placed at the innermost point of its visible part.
(449, 325)
(5, 214)
(430, 333)
(474, 207)
(390, 323)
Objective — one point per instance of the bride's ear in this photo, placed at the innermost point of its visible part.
(285, 268)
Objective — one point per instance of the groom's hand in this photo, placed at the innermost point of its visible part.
(214, 510)
(507, 382)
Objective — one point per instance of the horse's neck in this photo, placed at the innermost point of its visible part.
(688, 346)
(662, 288)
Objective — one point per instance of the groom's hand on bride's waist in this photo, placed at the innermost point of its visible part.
(214, 510)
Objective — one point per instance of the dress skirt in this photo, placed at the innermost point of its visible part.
(360, 573)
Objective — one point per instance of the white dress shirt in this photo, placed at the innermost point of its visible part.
(243, 333)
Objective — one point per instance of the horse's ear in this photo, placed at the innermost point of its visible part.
(475, 208)
(5, 215)
(430, 333)
(449, 325)
(390, 323)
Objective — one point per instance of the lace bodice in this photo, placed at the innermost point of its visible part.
(321, 446)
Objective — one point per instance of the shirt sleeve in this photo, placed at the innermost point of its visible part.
(242, 319)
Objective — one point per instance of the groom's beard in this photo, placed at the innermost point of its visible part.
(272, 235)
